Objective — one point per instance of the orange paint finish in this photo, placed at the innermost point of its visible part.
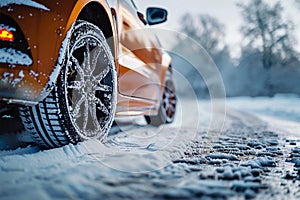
(141, 64)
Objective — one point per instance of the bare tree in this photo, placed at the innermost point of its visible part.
(210, 33)
(206, 30)
(266, 29)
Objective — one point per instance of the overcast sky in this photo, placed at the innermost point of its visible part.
(224, 10)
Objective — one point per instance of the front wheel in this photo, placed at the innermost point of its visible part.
(167, 108)
(82, 104)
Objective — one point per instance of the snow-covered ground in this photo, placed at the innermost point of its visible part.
(283, 106)
(188, 159)
(282, 112)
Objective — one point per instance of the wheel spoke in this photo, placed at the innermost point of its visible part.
(102, 74)
(93, 113)
(75, 85)
(95, 59)
(77, 67)
(101, 106)
(173, 101)
(87, 59)
(103, 88)
(77, 107)
(172, 108)
(169, 112)
(85, 115)
(79, 44)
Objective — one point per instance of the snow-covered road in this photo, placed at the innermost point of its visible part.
(191, 158)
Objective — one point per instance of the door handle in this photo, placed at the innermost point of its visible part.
(142, 18)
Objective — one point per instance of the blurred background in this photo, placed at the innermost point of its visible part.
(254, 43)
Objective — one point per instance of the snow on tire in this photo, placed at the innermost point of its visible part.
(82, 104)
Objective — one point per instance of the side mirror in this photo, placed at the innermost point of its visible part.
(156, 15)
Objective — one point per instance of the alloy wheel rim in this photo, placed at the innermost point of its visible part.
(89, 87)
(169, 101)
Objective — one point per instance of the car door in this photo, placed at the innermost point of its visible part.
(140, 57)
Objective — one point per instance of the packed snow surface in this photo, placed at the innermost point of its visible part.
(282, 106)
(184, 160)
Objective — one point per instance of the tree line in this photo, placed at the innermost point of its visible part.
(269, 62)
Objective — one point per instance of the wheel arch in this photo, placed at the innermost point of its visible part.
(98, 13)
(95, 13)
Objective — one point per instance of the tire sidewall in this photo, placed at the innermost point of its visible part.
(76, 34)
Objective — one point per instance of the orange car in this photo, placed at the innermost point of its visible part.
(70, 66)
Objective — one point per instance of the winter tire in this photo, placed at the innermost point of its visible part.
(82, 104)
(167, 108)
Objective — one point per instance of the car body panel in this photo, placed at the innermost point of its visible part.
(139, 55)
(140, 62)
(52, 25)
